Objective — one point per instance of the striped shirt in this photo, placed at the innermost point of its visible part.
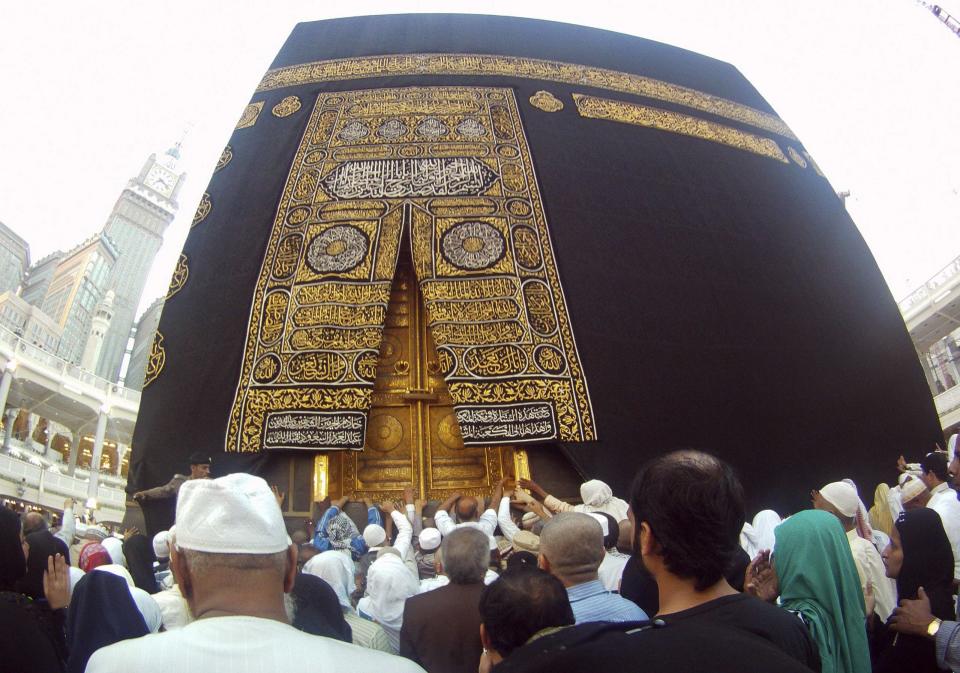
(592, 603)
(368, 634)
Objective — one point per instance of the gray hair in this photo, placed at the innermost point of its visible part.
(466, 555)
(573, 544)
(201, 562)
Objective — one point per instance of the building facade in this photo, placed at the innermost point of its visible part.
(14, 259)
(79, 284)
(139, 219)
(29, 323)
(142, 342)
(37, 281)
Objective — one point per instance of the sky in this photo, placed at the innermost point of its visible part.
(90, 90)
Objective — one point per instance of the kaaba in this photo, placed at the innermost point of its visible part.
(443, 249)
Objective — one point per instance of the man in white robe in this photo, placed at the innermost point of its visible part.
(234, 561)
(840, 499)
(943, 500)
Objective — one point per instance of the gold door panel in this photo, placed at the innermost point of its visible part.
(413, 438)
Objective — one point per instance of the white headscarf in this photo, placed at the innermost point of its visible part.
(336, 569)
(598, 497)
(148, 608)
(749, 540)
(389, 584)
(117, 570)
(114, 547)
(763, 524)
(75, 575)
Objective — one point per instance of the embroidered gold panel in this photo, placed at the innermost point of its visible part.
(675, 122)
(393, 65)
(451, 166)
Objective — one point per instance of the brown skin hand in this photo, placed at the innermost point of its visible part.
(913, 617)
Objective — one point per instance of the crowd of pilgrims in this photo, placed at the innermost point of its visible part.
(675, 579)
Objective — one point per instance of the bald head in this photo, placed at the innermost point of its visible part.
(33, 522)
(467, 509)
(571, 547)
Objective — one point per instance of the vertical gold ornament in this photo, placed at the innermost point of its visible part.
(546, 101)
(250, 115)
(286, 107)
(156, 361)
(206, 205)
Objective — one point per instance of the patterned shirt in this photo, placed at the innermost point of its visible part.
(592, 603)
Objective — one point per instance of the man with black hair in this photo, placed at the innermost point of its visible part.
(688, 510)
(517, 607)
(943, 500)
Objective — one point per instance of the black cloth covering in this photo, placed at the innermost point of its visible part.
(927, 563)
(138, 550)
(102, 612)
(43, 545)
(592, 647)
(31, 634)
(719, 299)
(12, 563)
(318, 609)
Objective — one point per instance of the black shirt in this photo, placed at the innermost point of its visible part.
(741, 612)
(638, 647)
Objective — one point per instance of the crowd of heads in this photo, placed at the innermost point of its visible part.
(522, 570)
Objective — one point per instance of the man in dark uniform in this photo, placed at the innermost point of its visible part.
(159, 504)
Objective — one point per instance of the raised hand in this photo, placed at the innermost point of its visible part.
(534, 488)
(278, 495)
(387, 507)
(56, 582)
(408, 495)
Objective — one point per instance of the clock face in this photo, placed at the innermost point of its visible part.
(160, 180)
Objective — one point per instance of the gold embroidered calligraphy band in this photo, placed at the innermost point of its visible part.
(665, 120)
(451, 167)
(528, 68)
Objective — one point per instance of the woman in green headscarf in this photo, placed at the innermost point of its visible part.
(818, 580)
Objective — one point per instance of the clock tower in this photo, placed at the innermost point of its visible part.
(143, 212)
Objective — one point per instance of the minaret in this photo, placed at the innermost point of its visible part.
(139, 219)
(98, 329)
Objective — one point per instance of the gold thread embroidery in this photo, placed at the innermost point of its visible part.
(546, 101)
(225, 157)
(206, 205)
(393, 65)
(665, 120)
(156, 361)
(179, 278)
(320, 302)
(250, 115)
(286, 107)
(814, 164)
(797, 159)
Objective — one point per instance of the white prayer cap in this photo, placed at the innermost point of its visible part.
(374, 535)
(604, 524)
(843, 496)
(524, 540)
(161, 544)
(235, 514)
(429, 539)
(114, 547)
(95, 532)
(911, 489)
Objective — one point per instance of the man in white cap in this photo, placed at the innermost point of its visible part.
(841, 499)
(468, 514)
(428, 543)
(943, 500)
(913, 494)
(234, 561)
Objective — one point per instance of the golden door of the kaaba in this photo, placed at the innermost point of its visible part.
(412, 435)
